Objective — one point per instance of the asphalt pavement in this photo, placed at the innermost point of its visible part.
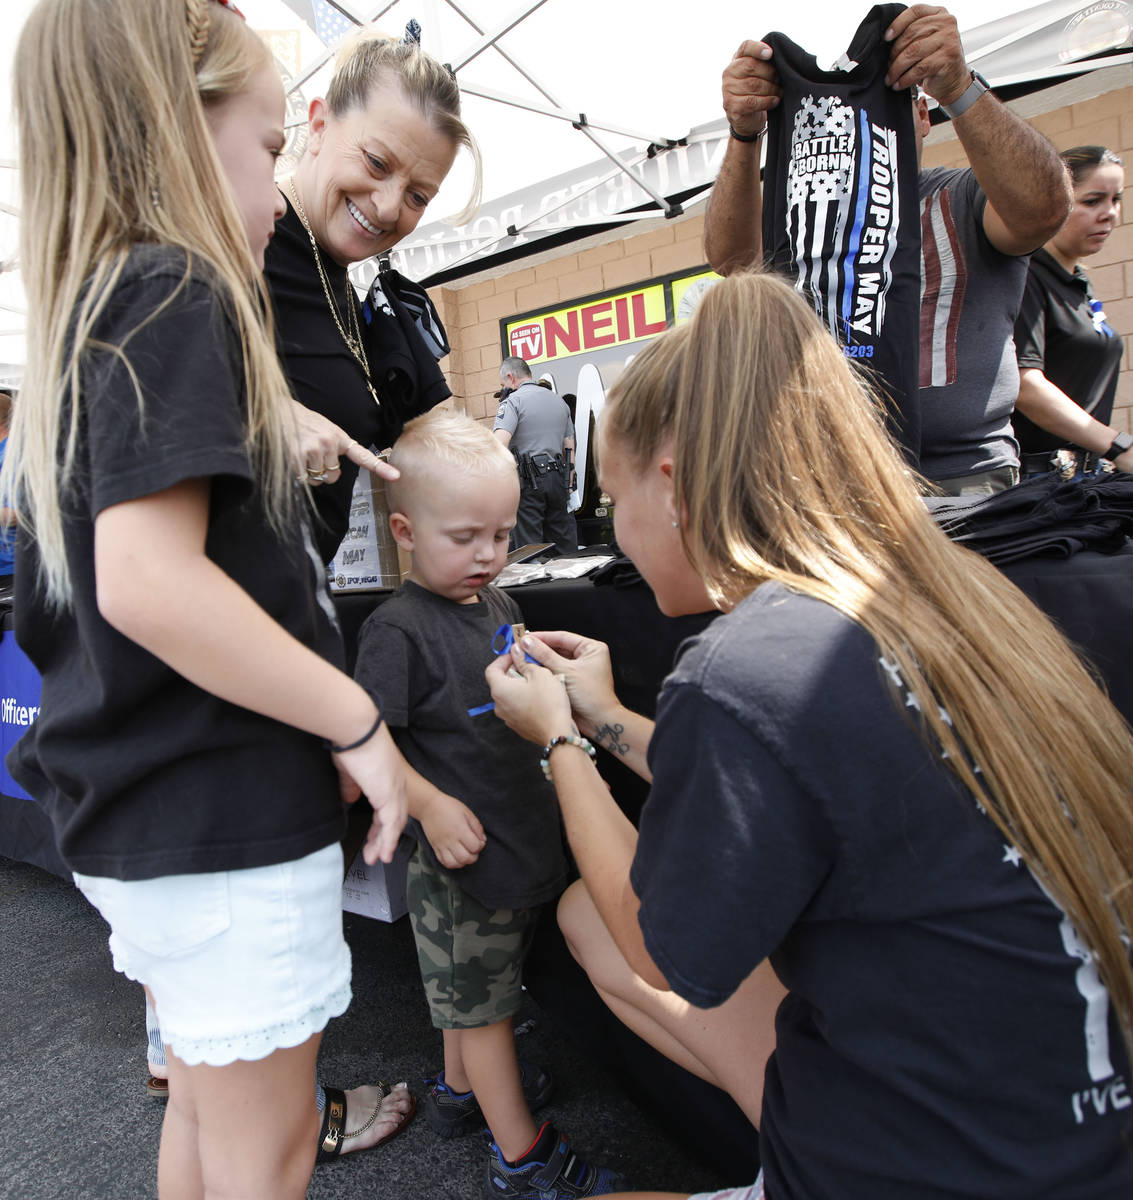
(76, 1121)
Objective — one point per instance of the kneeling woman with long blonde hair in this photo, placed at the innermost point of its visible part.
(882, 771)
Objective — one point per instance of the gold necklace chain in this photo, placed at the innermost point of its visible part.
(351, 333)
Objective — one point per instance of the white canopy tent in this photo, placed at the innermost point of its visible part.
(590, 113)
(651, 164)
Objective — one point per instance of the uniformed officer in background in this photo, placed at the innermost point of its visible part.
(534, 423)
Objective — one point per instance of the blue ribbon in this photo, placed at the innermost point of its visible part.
(1099, 319)
(502, 641)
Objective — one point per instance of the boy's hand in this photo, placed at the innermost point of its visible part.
(453, 830)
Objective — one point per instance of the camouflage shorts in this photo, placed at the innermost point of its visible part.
(471, 957)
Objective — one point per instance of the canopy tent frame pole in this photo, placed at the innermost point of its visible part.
(347, 10)
(328, 53)
(488, 40)
(561, 114)
(579, 122)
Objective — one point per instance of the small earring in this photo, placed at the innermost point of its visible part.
(676, 524)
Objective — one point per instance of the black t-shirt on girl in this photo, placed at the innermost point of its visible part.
(142, 772)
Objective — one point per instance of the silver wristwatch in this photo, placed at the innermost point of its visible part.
(968, 97)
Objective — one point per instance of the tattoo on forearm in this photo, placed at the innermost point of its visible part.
(608, 736)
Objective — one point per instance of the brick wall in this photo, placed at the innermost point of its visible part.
(1088, 111)
(472, 308)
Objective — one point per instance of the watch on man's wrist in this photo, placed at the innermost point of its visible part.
(967, 97)
(1121, 443)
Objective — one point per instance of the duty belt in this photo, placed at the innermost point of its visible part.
(542, 463)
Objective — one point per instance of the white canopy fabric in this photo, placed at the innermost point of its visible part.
(643, 161)
(591, 112)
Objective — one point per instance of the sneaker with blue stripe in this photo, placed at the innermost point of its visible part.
(550, 1170)
(457, 1114)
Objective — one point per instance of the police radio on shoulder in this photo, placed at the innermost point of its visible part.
(968, 97)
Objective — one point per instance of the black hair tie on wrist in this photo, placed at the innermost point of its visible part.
(361, 741)
(746, 139)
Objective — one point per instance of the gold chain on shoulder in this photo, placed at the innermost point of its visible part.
(351, 332)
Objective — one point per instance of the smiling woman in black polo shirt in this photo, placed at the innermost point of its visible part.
(1068, 355)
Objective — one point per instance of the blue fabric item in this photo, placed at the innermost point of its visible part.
(391, 291)
(1096, 312)
(502, 641)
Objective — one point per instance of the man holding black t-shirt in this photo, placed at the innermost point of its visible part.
(978, 225)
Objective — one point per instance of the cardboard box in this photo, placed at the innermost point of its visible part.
(377, 891)
(368, 558)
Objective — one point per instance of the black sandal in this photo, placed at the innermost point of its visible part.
(332, 1133)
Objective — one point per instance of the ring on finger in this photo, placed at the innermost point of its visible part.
(316, 476)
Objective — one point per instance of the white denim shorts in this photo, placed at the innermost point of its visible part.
(755, 1192)
(239, 963)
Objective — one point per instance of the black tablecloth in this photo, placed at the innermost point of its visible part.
(1089, 596)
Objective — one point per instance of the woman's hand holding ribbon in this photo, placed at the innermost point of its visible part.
(583, 664)
(528, 697)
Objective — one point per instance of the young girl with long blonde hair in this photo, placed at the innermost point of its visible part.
(167, 586)
(881, 771)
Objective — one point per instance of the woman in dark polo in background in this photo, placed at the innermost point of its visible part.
(1068, 355)
(379, 147)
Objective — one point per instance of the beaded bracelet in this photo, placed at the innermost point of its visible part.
(564, 739)
(361, 741)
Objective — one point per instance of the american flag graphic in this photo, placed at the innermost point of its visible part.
(330, 24)
(829, 189)
(944, 279)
